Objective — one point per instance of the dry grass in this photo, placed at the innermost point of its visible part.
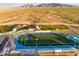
(22, 15)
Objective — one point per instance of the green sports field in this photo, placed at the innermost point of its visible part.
(44, 39)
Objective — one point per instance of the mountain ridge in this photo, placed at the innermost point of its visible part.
(48, 5)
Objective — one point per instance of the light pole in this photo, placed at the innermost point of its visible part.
(36, 44)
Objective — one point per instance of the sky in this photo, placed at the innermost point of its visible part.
(20, 4)
(10, 4)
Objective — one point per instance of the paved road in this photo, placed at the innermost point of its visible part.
(57, 23)
(4, 44)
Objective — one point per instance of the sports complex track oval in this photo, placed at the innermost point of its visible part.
(45, 40)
